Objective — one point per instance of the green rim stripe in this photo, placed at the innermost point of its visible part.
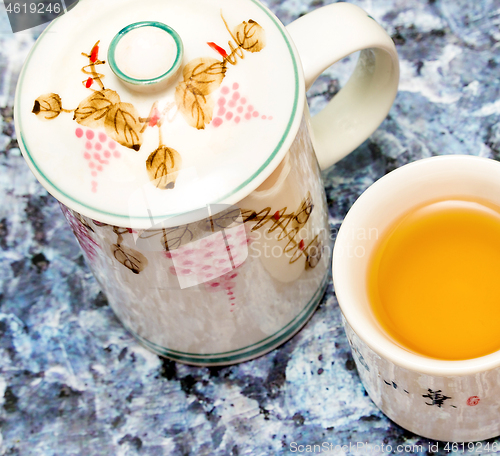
(114, 42)
(257, 348)
(166, 216)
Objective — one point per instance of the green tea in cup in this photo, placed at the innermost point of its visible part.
(433, 279)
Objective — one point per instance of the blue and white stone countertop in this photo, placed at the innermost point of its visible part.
(74, 382)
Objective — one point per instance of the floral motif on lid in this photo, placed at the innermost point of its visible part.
(200, 92)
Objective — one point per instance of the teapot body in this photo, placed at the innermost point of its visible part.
(229, 287)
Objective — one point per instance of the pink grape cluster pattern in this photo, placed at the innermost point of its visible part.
(233, 107)
(211, 261)
(98, 150)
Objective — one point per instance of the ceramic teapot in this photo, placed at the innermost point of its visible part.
(177, 138)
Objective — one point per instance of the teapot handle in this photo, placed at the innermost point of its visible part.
(326, 36)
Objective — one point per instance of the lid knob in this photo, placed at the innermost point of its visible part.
(146, 56)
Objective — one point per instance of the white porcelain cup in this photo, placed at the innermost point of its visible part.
(456, 401)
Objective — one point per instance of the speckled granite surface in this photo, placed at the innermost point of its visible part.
(74, 382)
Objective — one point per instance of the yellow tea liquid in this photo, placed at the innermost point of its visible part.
(434, 279)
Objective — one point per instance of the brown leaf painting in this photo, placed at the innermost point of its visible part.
(314, 253)
(175, 237)
(92, 111)
(250, 36)
(205, 74)
(196, 107)
(122, 124)
(163, 166)
(131, 259)
(48, 106)
(201, 76)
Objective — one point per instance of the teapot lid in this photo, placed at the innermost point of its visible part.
(134, 113)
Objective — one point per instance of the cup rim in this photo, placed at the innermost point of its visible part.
(353, 315)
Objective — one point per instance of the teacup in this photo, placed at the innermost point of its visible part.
(438, 399)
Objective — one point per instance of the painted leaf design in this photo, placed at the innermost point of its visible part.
(92, 111)
(175, 237)
(163, 166)
(196, 107)
(131, 259)
(250, 36)
(48, 106)
(205, 74)
(314, 253)
(122, 124)
(201, 76)
(304, 211)
(225, 219)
